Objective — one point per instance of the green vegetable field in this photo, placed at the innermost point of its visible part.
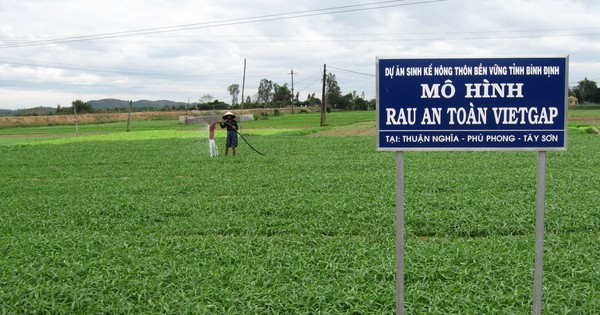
(146, 222)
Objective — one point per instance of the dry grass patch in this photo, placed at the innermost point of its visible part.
(358, 129)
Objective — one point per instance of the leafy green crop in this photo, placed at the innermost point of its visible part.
(149, 223)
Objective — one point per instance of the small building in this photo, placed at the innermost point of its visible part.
(573, 100)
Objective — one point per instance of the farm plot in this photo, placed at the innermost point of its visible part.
(157, 226)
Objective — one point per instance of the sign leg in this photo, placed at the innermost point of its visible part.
(539, 233)
(400, 233)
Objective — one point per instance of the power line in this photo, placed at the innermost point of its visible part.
(63, 66)
(348, 38)
(351, 71)
(237, 21)
(95, 86)
(388, 36)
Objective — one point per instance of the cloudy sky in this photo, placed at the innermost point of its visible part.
(55, 51)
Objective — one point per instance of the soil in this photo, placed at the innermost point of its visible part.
(357, 129)
(16, 121)
(594, 121)
(11, 121)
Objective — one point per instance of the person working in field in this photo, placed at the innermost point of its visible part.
(232, 127)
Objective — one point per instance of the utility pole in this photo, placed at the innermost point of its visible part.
(323, 96)
(292, 73)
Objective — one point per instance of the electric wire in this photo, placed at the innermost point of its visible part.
(351, 71)
(479, 35)
(229, 22)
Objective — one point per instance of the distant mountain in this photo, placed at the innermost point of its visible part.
(100, 105)
(110, 103)
(40, 111)
(158, 104)
(37, 111)
(7, 112)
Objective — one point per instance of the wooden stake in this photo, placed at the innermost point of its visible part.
(129, 117)
(323, 122)
(76, 121)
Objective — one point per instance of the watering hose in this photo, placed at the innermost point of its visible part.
(248, 143)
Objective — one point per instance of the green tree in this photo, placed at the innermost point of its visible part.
(312, 100)
(281, 94)
(206, 99)
(360, 103)
(265, 87)
(595, 97)
(234, 91)
(586, 90)
(82, 107)
(332, 90)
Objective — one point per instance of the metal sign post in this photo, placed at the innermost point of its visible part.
(473, 104)
(400, 232)
(540, 200)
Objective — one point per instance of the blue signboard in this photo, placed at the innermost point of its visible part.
(472, 104)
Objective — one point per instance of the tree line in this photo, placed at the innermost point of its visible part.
(271, 94)
(586, 91)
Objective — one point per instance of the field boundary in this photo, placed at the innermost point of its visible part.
(51, 120)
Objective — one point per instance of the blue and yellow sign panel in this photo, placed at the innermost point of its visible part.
(472, 104)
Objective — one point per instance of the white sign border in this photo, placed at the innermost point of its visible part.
(528, 149)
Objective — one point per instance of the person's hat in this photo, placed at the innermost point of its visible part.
(229, 114)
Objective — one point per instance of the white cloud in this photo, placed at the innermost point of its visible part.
(207, 58)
